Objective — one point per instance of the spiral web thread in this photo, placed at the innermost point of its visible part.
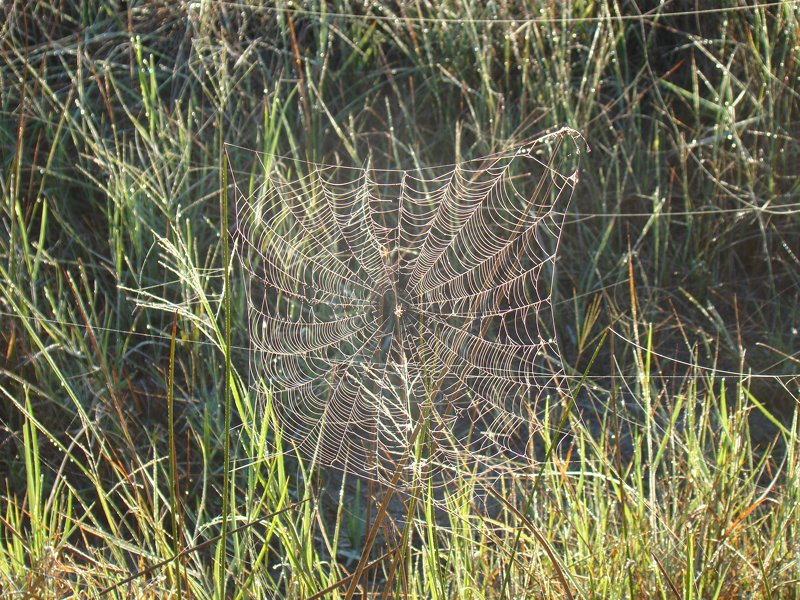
(378, 298)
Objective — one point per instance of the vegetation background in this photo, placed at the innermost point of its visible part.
(675, 472)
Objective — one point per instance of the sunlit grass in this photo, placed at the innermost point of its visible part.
(676, 473)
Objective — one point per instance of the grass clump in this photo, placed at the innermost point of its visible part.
(678, 472)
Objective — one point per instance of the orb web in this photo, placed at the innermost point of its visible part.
(383, 303)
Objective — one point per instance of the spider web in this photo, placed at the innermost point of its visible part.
(384, 303)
